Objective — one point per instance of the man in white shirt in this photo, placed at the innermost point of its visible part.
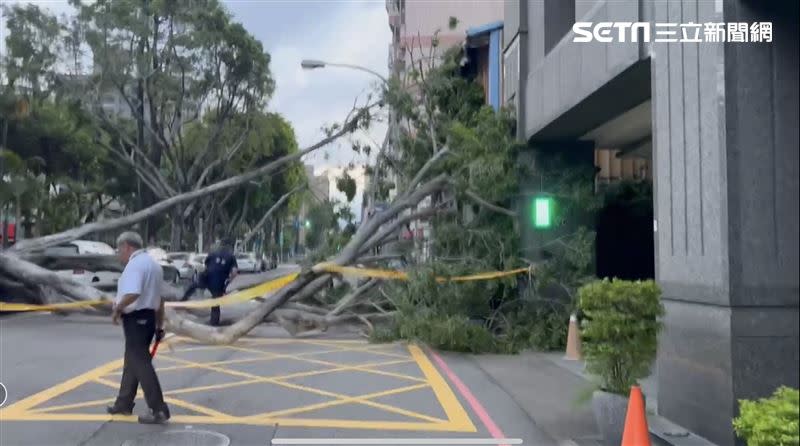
(141, 309)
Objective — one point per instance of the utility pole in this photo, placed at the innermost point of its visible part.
(200, 236)
(297, 235)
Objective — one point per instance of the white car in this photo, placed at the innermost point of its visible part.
(182, 262)
(248, 262)
(97, 279)
(171, 274)
(198, 262)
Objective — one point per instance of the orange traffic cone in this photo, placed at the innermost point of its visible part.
(636, 432)
(573, 340)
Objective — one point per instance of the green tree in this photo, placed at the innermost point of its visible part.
(269, 137)
(447, 129)
(167, 62)
(322, 221)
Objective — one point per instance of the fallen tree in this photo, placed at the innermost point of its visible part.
(451, 159)
(16, 267)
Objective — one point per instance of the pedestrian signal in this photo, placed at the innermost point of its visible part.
(543, 212)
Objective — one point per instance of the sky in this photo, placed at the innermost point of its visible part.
(337, 31)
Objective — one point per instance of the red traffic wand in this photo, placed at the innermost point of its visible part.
(154, 349)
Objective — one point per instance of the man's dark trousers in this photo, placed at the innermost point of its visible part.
(139, 328)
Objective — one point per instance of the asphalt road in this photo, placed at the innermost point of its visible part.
(61, 371)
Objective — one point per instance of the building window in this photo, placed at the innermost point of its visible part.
(559, 16)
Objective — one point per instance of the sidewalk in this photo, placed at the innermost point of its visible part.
(547, 387)
(546, 392)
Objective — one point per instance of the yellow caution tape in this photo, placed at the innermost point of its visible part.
(389, 274)
(238, 296)
(486, 276)
(265, 288)
(363, 272)
(6, 306)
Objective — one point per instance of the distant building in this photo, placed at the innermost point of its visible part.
(320, 192)
(319, 184)
(483, 50)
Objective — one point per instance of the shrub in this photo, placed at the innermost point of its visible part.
(620, 332)
(770, 421)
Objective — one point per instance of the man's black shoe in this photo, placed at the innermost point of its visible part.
(153, 417)
(116, 410)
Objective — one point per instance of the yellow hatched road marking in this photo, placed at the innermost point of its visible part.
(48, 394)
(455, 412)
(77, 405)
(308, 389)
(197, 408)
(457, 419)
(355, 367)
(265, 356)
(348, 400)
(281, 377)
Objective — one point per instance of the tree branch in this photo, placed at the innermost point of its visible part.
(352, 296)
(230, 153)
(379, 258)
(364, 233)
(269, 213)
(427, 167)
(492, 207)
(387, 231)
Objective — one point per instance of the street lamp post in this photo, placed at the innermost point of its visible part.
(311, 64)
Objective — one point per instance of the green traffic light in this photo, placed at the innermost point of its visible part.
(308, 223)
(542, 212)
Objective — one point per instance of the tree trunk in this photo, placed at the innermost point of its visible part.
(176, 233)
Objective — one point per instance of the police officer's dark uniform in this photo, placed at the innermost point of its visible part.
(219, 265)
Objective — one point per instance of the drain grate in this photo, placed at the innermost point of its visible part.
(180, 438)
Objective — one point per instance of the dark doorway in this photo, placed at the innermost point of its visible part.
(624, 240)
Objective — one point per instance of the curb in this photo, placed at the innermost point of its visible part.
(671, 434)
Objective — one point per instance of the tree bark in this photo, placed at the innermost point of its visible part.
(176, 232)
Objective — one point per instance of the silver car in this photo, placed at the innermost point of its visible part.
(247, 262)
(170, 271)
(97, 279)
(182, 262)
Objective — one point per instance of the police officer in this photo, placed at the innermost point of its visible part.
(141, 309)
(221, 268)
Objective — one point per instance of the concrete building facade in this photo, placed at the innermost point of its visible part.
(716, 124)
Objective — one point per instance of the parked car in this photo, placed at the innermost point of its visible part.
(97, 279)
(171, 274)
(248, 262)
(181, 261)
(198, 262)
